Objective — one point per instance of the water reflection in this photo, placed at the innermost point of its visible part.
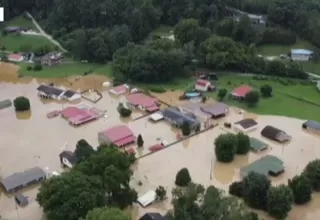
(25, 115)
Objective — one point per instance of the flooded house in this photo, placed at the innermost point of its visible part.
(313, 126)
(176, 117)
(20, 180)
(275, 134)
(246, 125)
(142, 102)
(78, 116)
(51, 92)
(51, 59)
(120, 136)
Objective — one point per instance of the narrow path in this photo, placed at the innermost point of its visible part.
(43, 33)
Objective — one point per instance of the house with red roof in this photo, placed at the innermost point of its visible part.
(241, 92)
(142, 102)
(15, 57)
(77, 116)
(118, 90)
(119, 135)
(203, 85)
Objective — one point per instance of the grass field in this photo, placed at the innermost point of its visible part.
(311, 67)
(279, 104)
(68, 69)
(276, 50)
(21, 21)
(15, 42)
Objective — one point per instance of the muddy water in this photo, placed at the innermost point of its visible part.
(30, 139)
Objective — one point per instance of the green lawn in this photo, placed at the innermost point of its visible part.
(15, 42)
(20, 21)
(69, 69)
(312, 67)
(279, 104)
(276, 50)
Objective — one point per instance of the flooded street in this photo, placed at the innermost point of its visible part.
(30, 139)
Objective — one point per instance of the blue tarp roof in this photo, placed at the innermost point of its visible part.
(301, 51)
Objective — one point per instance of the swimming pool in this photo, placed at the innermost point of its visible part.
(192, 94)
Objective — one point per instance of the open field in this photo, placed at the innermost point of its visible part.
(311, 67)
(20, 21)
(14, 42)
(276, 50)
(67, 69)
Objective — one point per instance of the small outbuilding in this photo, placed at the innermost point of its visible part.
(311, 126)
(301, 54)
(21, 200)
(152, 216)
(68, 159)
(156, 117)
(203, 85)
(216, 110)
(119, 90)
(246, 125)
(256, 145)
(241, 92)
(147, 199)
(71, 95)
(275, 134)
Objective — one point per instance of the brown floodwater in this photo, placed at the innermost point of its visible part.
(31, 139)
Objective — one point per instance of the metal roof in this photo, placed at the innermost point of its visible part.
(179, 117)
(257, 145)
(247, 123)
(265, 165)
(147, 198)
(301, 51)
(50, 90)
(312, 124)
(22, 178)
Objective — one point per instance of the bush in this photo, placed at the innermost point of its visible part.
(183, 177)
(225, 147)
(252, 98)
(236, 189)
(222, 93)
(280, 200)
(124, 112)
(227, 125)
(266, 90)
(255, 190)
(21, 104)
(312, 172)
(157, 89)
(243, 143)
(161, 193)
(140, 141)
(29, 68)
(37, 67)
(301, 189)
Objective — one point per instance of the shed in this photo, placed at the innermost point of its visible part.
(5, 103)
(21, 200)
(156, 117)
(311, 125)
(246, 125)
(267, 165)
(241, 91)
(147, 199)
(152, 216)
(23, 179)
(256, 145)
(275, 134)
(301, 54)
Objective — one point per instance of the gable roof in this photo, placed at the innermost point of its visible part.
(202, 82)
(70, 156)
(69, 93)
(247, 123)
(268, 164)
(275, 134)
(215, 109)
(152, 216)
(141, 99)
(241, 91)
(174, 114)
(22, 178)
(312, 124)
(118, 133)
(50, 90)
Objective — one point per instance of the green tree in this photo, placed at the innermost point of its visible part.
(280, 200)
(204, 99)
(301, 189)
(124, 112)
(183, 177)
(83, 150)
(4, 57)
(266, 90)
(243, 143)
(236, 189)
(276, 67)
(222, 94)
(225, 147)
(161, 193)
(255, 189)
(312, 172)
(107, 213)
(70, 196)
(113, 167)
(140, 141)
(252, 98)
(244, 31)
(185, 128)
(188, 30)
(21, 103)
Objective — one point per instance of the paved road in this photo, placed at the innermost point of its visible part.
(43, 33)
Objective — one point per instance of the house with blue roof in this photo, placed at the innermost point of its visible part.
(301, 54)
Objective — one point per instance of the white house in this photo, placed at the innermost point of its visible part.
(301, 54)
(202, 85)
(147, 199)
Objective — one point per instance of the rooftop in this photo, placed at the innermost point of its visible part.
(266, 165)
(118, 133)
(141, 99)
(257, 145)
(119, 89)
(50, 90)
(215, 109)
(241, 91)
(247, 123)
(202, 82)
(77, 115)
(312, 124)
(301, 51)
